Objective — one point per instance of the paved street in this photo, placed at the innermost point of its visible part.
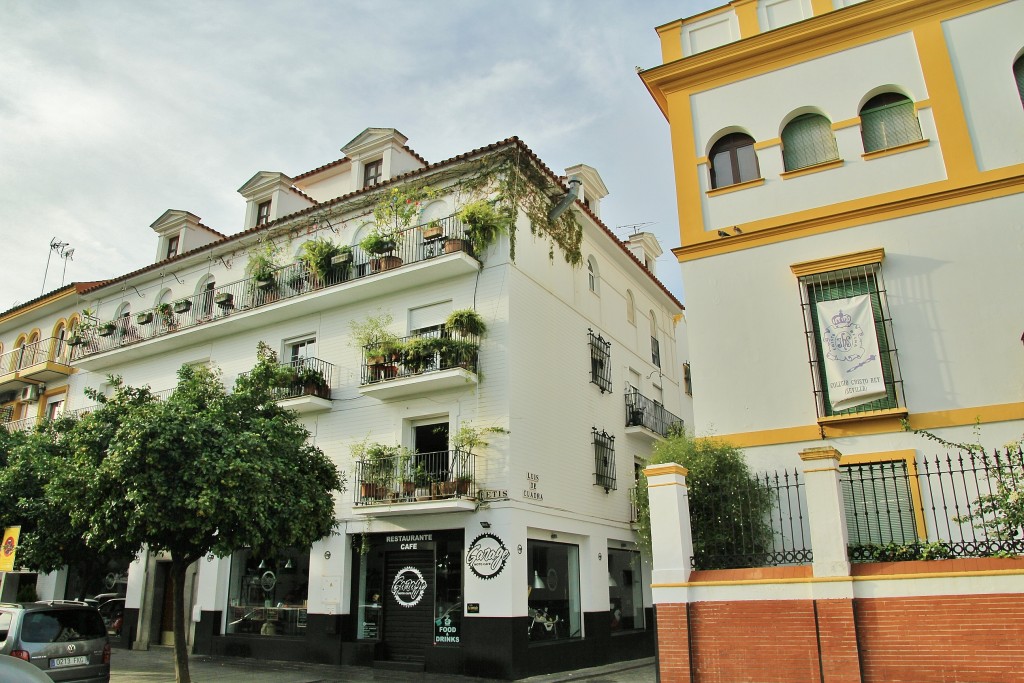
(157, 666)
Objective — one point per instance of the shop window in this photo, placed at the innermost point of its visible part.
(888, 120)
(553, 591)
(267, 594)
(807, 140)
(600, 362)
(850, 340)
(625, 590)
(604, 459)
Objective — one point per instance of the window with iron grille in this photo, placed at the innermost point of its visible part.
(878, 502)
(604, 459)
(600, 362)
(888, 120)
(807, 140)
(835, 393)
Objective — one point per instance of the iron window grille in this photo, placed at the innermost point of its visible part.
(807, 140)
(879, 506)
(888, 120)
(600, 362)
(844, 284)
(604, 459)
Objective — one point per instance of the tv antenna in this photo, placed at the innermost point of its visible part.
(62, 250)
(634, 226)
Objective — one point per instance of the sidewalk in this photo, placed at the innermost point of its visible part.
(156, 665)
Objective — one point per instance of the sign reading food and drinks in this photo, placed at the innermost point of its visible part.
(487, 556)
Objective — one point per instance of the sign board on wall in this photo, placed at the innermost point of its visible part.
(487, 556)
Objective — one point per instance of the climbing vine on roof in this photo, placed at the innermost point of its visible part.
(520, 184)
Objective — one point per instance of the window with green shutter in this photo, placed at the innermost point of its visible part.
(807, 140)
(888, 120)
(1018, 73)
(878, 503)
(844, 284)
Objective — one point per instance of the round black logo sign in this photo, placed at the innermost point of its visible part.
(487, 556)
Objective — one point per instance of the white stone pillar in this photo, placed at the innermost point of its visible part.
(670, 525)
(825, 512)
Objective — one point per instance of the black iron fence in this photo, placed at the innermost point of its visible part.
(964, 505)
(645, 412)
(420, 243)
(429, 351)
(764, 526)
(409, 476)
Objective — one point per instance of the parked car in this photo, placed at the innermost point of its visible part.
(112, 612)
(66, 640)
(14, 670)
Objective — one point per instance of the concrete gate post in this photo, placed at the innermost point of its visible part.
(672, 547)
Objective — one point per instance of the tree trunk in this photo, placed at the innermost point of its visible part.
(178, 568)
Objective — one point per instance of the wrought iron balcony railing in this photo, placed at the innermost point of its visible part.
(645, 412)
(295, 280)
(432, 351)
(303, 377)
(411, 477)
(52, 349)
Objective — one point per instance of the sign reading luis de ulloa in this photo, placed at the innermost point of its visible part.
(487, 556)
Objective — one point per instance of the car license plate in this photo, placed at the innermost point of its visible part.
(61, 662)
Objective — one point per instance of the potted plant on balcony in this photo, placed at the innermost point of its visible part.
(224, 299)
(166, 313)
(422, 479)
(463, 441)
(393, 213)
(419, 354)
(144, 318)
(466, 323)
(263, 264)
(459, 353)
(183, 305)
(106, 329)
(377, 468)
(381, 347)
(431, 231)
(341, 263)
(317, 254)
(483, 223)
(312, 381)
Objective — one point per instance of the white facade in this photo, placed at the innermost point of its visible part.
(533, 378)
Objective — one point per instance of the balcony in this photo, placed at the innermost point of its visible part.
(647, 417)
(409, 483)
(23, 425)
(416, 261)
(436, 360)
(304, 385)
(36, 363)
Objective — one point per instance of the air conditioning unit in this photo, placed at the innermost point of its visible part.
(30, 394)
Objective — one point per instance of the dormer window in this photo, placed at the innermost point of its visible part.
(172, 246)
(373, 172)
(263, 213)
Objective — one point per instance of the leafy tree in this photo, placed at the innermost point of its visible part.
(49, 539)
(729, 508)
(204, 471)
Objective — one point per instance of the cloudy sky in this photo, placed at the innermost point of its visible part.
(113, 112)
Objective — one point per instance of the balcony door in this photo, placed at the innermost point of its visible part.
(432, 450)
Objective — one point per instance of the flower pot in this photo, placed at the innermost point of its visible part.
(345, 257)
(372, 490)
(408, 489)
(225, 300)
(462, 486)
(379, 371)
(443, 488)
(454, 244)
(106, 330)
(75, 340)
(144, 318)
(432, 233)
(183, 306)
(386, 263)
(266, 283)
(384, 247)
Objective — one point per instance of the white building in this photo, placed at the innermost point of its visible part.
(526, 540)
(850, 172)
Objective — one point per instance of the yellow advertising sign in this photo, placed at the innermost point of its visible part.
(8, 548)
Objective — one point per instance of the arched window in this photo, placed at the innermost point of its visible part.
(888, 120)
(733, 160)
(57, 350)
(1018, 73)
(630, 307)
(807, 140)
(206, 292)
(592, 274)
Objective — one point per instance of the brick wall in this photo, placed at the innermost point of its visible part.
(947, 639)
